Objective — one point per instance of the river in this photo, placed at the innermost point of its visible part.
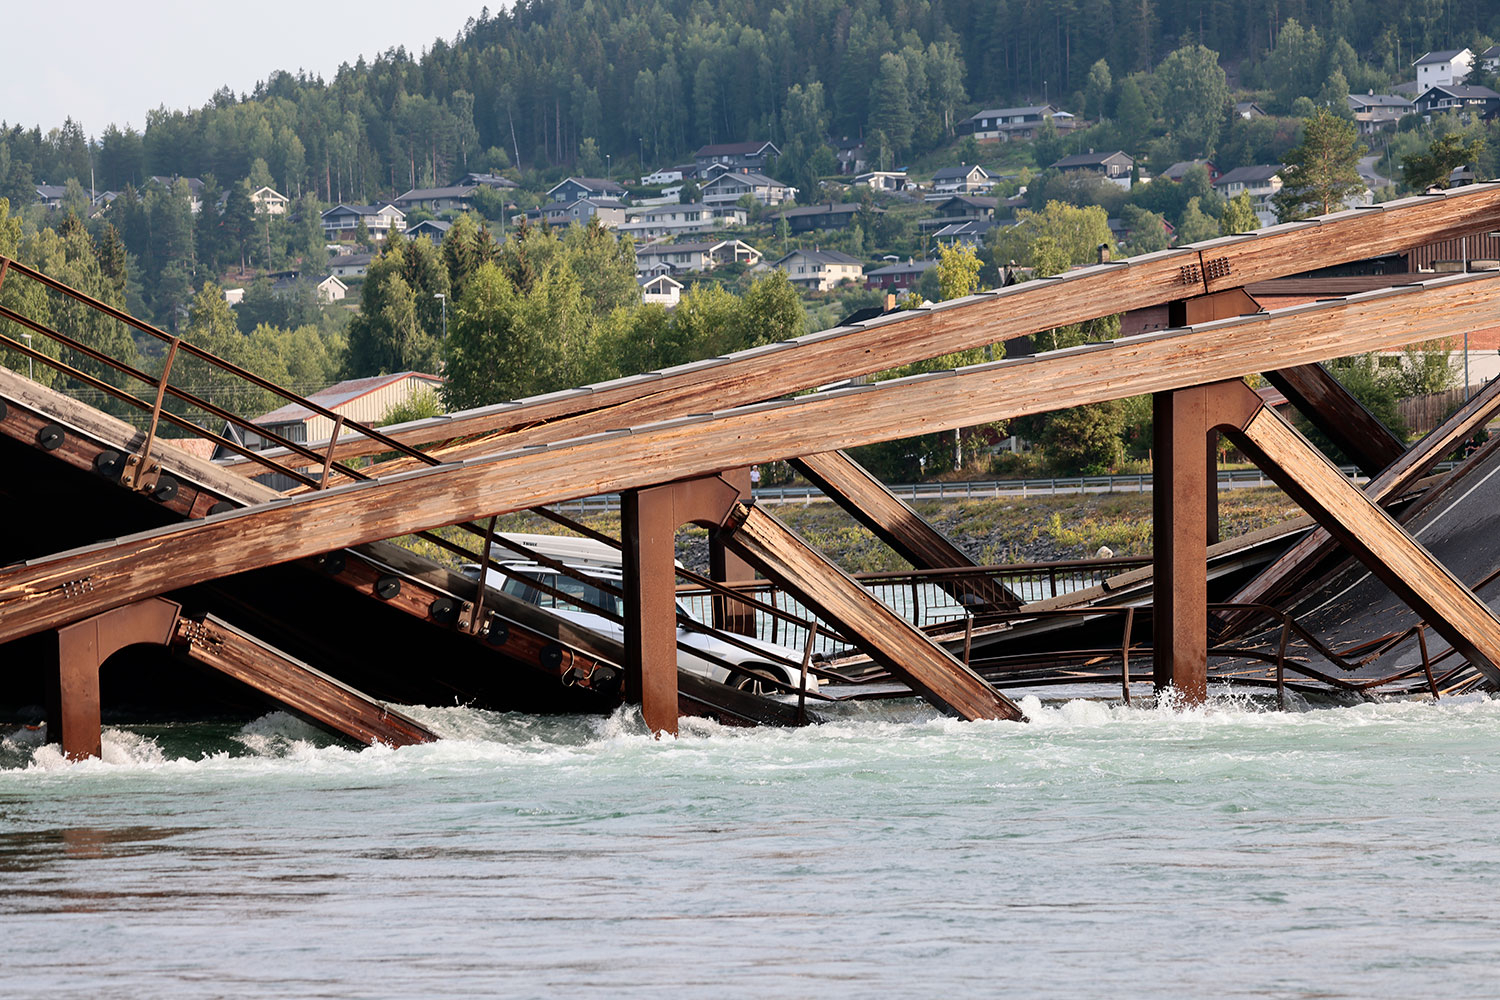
(1095, 851)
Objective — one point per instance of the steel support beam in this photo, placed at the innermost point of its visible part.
(649, 519)
(73, 697)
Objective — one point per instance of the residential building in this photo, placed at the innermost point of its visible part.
(489, 181)
(898, 276)
(884, 180)
(960, 208)
(852, 156)
(350, 265)
(677, 220)
(234, 296)
(666, 175)
(454, 198)
(1489, 59)
(433, 229)
(729, 188)
(1177, 171)
(962, 179)
(820, 270)
(683, 257)
(1457, 97)
(51, 195)
(660, 289)
(1248, 110)
(1443, 69)
(1374, 112)
(1260, 182)
(968, 233)
(195, 188)
(268, 201)
(1006, 124)
(737, 155)
(1114, 167)
(289, 283)
(341, 222)
(366, 400)
(572, 189)
(834, 215)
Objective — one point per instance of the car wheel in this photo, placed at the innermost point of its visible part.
(753, 680)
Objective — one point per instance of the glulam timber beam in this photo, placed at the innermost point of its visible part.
(55, 590)
(896, 339)
(894, 522)
(1417, 461)
(883, 635)
(1331, 408)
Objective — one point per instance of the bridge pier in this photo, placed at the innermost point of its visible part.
(649, 519)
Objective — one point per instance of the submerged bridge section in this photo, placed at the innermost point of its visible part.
(650, 438)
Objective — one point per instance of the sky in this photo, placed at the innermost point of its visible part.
(114, 62)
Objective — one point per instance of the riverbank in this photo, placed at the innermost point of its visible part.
(991, 531)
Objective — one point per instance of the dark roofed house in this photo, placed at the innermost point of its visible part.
(1458, 97)
(573, 188)
(489, 180)
(342, 221)
(433, 229)
(962, 179)
(851, 155)
(1177, 171)
(51, 195)
(834, 215)
(960, 208)
(969, 233)
(898, 275)
(736, 155)
(1489, 59)
(1005, 124)
(350, 265)
(1248, 110)
(1114, 166)
(454, 198)
(1374, 112)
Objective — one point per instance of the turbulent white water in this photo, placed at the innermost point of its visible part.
(1096, 851)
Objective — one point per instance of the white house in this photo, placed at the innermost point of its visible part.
(1260, 182)
(666, 175)
(820, 270)
(1443, 69)
(660, 289)
(571, 189)
(363, 399)
(341, 222)
(962, 179)
(675, 220)
(1005, 124)
(350, 265)
(729, 188)
(1114, 167)
(680, 257)
(884, 180)
(268, 201)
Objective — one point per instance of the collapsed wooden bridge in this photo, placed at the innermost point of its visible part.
(184, 532)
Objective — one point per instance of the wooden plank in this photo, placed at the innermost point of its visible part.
(868, 501)
(1294, 565)
(1360, 524)
(1019, 310)
(884, 636)
(48, 592)
(311, 693)
(1320, 398)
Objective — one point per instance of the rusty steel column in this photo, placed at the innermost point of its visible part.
(1211, 493)
(1179, 507)
(725, 566)
(73, 695)
(649, 519)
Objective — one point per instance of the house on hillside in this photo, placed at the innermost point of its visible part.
(851, 155)
(1489, 59)
(269, 201)
(962, 179)
(967, 233)
(677, 220)
(341, 222)
(898, 276)
(1114, 167)
(489, 181)
(820, 270)
(660, 289)
(1457, 97)
(433, 229)
(1443, 69)
(666, 175)
(1260, 182)
(1248, 110)
(350, 265)
(608, 211)
(51, 195)
(729, 188)
(683, 257)
(195, 188)
(454, 198)
(288, 283)
(884, 180)
(960, 208)
(1177, 171)
(736, 156)
(1005, 124)
(1375, 112)
(366, 400)
(834, 215)
(572, 189)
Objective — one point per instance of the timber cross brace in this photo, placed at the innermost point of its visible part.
(1184, 419)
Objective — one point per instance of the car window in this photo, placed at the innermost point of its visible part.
(578, 595)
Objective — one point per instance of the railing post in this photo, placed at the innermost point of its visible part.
(333, 441)
(812, 637)
(140, 473)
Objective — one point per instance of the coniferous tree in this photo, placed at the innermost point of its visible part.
(1323, 171)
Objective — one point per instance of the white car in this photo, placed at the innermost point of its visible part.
(747, 670)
